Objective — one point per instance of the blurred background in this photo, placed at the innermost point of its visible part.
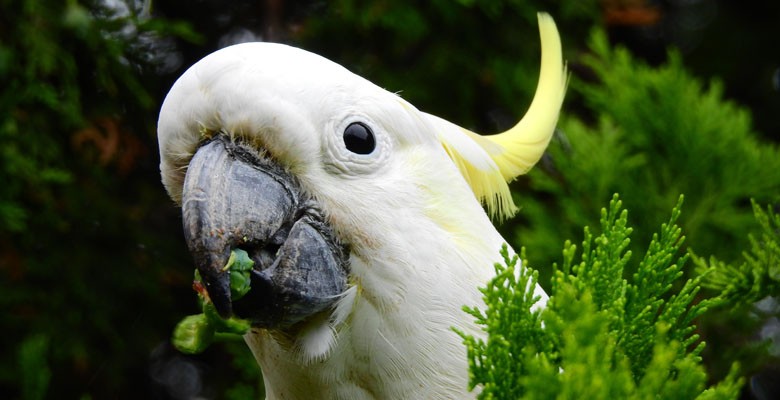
(666, 98)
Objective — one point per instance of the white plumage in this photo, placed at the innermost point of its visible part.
(421, 243)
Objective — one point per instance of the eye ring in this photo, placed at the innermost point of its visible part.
(359, 139)
(342, 157)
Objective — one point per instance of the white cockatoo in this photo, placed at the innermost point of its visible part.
(363, 216)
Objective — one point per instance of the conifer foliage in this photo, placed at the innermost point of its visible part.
(600, 335)
(758, 276)
(651, 133)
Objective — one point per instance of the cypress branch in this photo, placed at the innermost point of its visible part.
(601, 335)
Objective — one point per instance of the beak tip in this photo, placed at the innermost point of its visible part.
(218, 288)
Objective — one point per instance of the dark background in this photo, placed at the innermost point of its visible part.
(94, 272)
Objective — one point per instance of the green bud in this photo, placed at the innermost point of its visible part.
(193, 334)
(239, 264)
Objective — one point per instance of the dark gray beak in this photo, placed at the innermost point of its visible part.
(235, 197)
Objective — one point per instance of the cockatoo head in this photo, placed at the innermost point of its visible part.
(260, 141)
(336, 187)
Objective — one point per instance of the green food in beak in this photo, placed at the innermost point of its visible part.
(235, 197)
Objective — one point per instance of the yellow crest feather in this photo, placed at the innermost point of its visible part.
(524, 144)
(489, 162)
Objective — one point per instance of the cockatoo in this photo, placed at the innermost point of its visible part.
(363, 216)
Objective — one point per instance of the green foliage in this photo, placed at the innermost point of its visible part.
(600, 335)
(248, 386)
(42, 100)
(758, 276)
(652, 133)
(88, 247)
(34, 367)
(67, 64)
(195, 333)
(513, 330)
(744, 285)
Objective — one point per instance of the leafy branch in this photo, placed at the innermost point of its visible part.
(758, 276)
(600, 335)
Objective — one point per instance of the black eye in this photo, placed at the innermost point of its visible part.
(359, 139)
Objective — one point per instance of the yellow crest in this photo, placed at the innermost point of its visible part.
(488, 163)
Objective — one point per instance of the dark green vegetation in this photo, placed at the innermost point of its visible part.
(94, 273)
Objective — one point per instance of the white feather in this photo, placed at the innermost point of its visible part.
(420, 242)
